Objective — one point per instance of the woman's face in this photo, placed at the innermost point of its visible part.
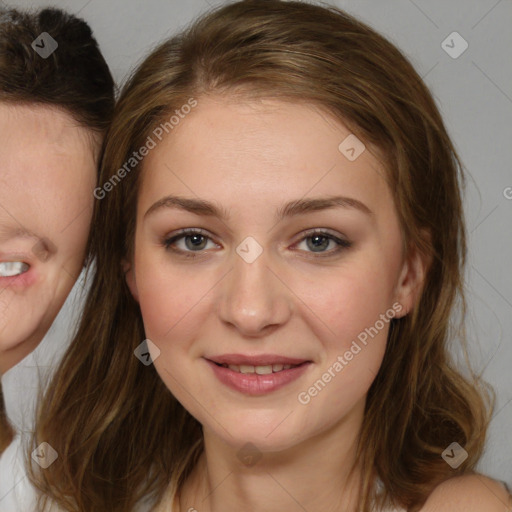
(255, 290)
(47, 175)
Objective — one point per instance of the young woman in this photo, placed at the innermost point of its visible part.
(56, 100)
(279, 228)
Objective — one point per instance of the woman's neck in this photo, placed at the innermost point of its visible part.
(314, 475)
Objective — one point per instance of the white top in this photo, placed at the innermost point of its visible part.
(20, 387)
(168, 501)
(16, 493)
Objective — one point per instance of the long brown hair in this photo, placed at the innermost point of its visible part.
(120, 433)
(75, 78)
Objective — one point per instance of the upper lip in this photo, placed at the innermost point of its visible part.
(255, 360)
(15, 256)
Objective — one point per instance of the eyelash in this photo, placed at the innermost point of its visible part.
(167, 242)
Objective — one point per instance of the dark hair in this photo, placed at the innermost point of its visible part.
(74, 77)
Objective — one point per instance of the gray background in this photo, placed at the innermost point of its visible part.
(474, 94)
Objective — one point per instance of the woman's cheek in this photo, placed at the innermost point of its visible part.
(167, 299)
(355, 301)
(155, 299)
(160, 311)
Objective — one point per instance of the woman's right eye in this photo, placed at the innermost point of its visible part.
(191, 240)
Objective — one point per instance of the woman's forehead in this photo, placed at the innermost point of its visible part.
(261, 149)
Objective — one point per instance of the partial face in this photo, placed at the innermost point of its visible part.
(47, 174)
(279, 280)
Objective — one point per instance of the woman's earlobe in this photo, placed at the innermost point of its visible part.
(412, 279)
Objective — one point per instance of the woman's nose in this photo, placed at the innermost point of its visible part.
(252, 296)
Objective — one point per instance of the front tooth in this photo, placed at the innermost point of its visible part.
(246, 368)
(264, 370)
(12, 268)
(234, 367)
(287, 366)
(277, 367)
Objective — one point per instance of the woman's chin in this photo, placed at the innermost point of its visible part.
(265, 437)
(17, 328)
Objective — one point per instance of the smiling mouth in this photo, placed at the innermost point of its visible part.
(257, 375)
(260, 370)
(13, 268)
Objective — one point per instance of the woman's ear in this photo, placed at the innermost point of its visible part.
(129, 275)
(412, 275)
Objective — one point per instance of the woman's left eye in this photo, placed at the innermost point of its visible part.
(319, 240)
(195, 240)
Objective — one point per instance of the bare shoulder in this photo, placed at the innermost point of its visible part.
(470, 493)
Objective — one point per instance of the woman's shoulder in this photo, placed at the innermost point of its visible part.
(469, 493)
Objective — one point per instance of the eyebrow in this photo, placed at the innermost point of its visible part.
(296, 207)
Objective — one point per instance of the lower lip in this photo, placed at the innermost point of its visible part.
(18, 282)
(254, 384)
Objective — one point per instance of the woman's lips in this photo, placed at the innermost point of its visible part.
(17, 281)
(243, 378)
(12, 268)
(255, 360)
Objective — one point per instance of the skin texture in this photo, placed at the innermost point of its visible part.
(47, 176)
(473, 493)
(250, 159)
